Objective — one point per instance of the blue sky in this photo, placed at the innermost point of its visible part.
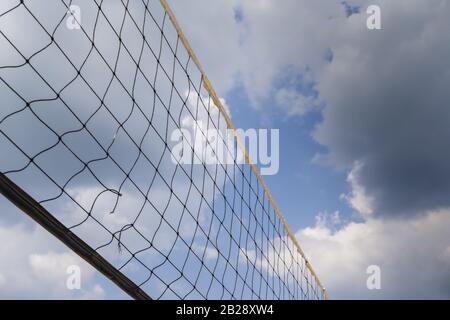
(301, 188)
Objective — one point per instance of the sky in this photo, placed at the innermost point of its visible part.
(363, 118)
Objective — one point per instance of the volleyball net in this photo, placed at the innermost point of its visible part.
(91, 95)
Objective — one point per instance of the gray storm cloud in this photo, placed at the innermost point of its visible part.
(389, 106)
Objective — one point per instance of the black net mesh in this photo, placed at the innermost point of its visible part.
(88, 110)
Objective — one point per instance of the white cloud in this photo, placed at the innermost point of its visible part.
(52, 268)
(34, 265)
(2, 280)
(294, 103)
(294, 34)
(412, 255)
(358, 198)
(97, 292)
(209, 252)
(52, 264)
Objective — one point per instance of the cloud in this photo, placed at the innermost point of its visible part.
(267, 40)
(52, 267)
(358, 198)
(387, 112)
(412, 255)
(295, 92)
(34, 265)
(385, 91)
